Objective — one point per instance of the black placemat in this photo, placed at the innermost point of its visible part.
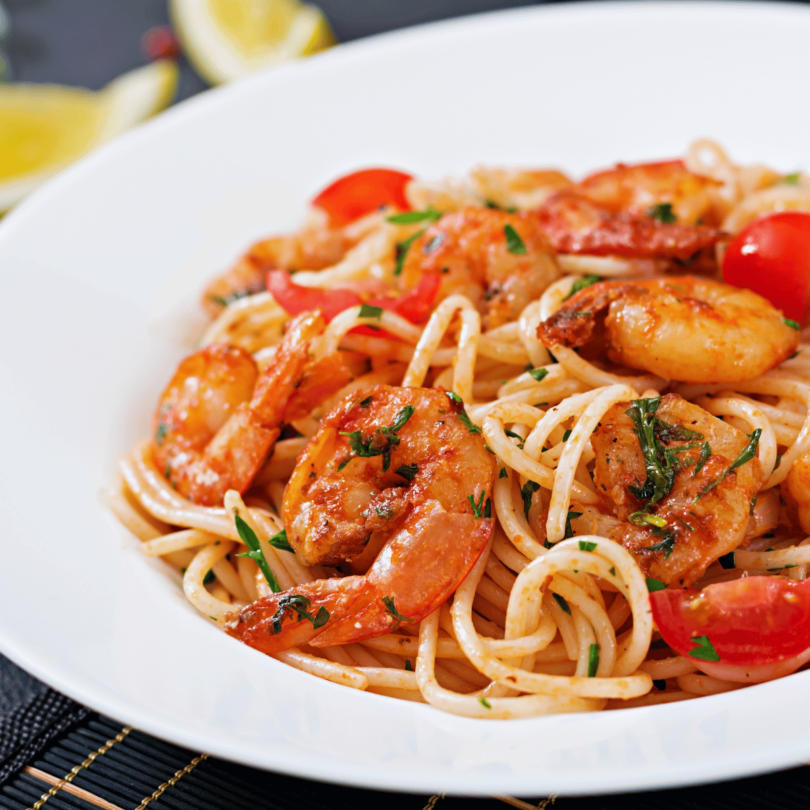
(96, 762)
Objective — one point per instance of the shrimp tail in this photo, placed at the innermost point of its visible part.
(417, 570)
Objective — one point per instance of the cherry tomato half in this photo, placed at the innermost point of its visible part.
(771, 256)
(748, 621)
(357, 194)
(295, 299)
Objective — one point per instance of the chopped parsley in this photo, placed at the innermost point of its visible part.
(407, 471)
(367, 311)
(485, 703)
(667, 545)
(539, 374)
(385, 512)
(462, 414)
(380, 443)
(402, 251)
(705, 452)
(562, 603)
(752, 505)
(654, 585)
(514, 244)
(748, 452)
(526, 492)
(366, 402)
(792, 179)
(569, 532)
(411, 217)
(388, 601)
(280, 541)
(792, 324)
(503, 473)
(248, 537)
(581, 284)
(704, 651)
(587, 545)
(662, 212)
(298, 603)
(210, 576)
(593, 660)
(480, 509)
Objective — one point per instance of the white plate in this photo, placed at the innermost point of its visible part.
(96, 266)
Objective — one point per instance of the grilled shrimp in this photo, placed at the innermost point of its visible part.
(705, 512)
(644, 212)
(219, 418)
(680, 328)
(798, 483)
(396, 479)
(501, 261)
(314, 247)
(640, 188)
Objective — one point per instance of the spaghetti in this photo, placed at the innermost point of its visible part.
(552, 613)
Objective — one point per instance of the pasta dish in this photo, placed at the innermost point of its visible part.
(510, 445)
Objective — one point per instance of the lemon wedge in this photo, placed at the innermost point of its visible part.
(228, 39)
(44, 127)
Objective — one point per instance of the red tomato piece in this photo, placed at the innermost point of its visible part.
(748, 621)
(357, 194)
(295, 299)
(771, 256)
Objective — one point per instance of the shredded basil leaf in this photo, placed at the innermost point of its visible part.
(569, 532)
(381, 442)
(280, 541)
(792, 324)
(388, 601)
(539, 374)
(562, 603)
(587, 545)
(298, 603)
(654, 585)
(526, 492)
(402, 251)
(503, 473)
(748, 452)
(407, 471)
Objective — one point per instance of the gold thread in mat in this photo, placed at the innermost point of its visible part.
(172, 782)
(433, 801)
(74, 772)
(79, 793)
(521, 805)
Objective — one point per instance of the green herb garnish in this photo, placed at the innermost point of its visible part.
(569, 532)
(248, 537)
(748, 452)
(388, 601)
(562, 603)
(662, 212)
(367, 311)
(298, 603)
(581, 284)
(280, 541)
(402, 251)
(587, 545)
(407, 471)
(526, 492)
(411, 217)
(593, 660)
(704, 651)
(792, 324)
(462, 414)
(503, 473)
(539, 374)
(654, 585)
(514, 244)
(485, 703)
(380, 443)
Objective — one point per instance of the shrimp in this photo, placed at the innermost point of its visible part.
(640, 188)
(705, 512)
(798, 483)
(315, 247)
(502, 261)
(219, 418)
(395, 478)
(680, 328)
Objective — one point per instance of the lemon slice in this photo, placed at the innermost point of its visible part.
(228, 39)
(44, 127)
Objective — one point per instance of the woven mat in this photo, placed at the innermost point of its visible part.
(94, 762)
